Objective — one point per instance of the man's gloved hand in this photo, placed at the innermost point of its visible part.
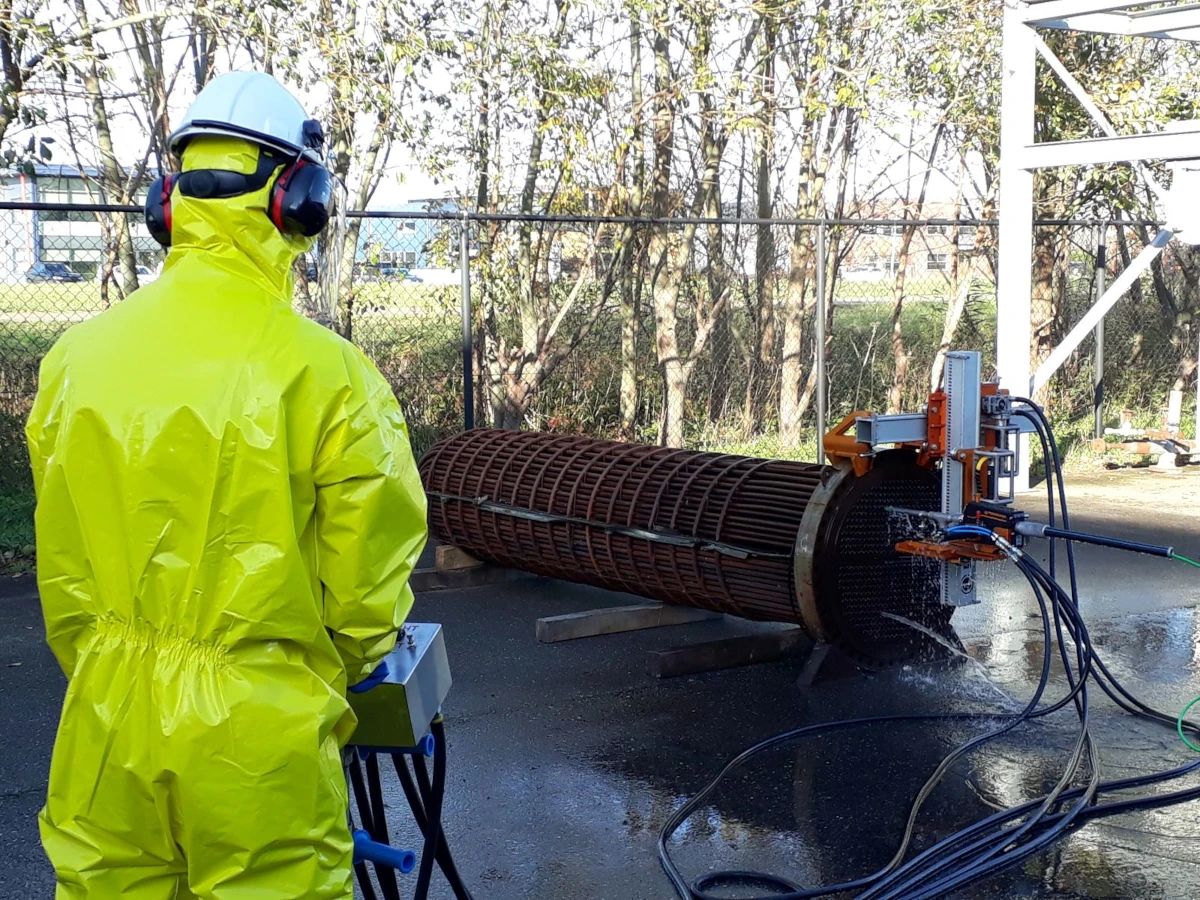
(380, 673)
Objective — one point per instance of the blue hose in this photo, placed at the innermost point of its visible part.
(367, 850)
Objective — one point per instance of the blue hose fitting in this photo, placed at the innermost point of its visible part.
(378, 676)
(367, 850)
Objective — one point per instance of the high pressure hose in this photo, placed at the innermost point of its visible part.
(385, 874)
(425, 798)
(433, 809)
(361, 874)
(993, 843)
(784, 889)
(1069, 606)
(368, 797)
(363, 877)
(419, 794)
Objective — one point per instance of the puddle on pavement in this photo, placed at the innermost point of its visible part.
(831, 808)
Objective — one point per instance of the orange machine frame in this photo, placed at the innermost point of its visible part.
(841, 447)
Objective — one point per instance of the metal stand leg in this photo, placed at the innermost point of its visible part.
(825, 663)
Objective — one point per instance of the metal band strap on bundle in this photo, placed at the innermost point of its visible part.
(761, 539)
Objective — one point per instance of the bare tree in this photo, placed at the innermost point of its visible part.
(371, 60)
(963, 277)
(900, 354)
(826, 89)
(15, 33)
(674, 251)
(632, 239)
(112, 176)
(94, 72)
(30, 46)
(760, 380)
(532, 106)
(837, 249)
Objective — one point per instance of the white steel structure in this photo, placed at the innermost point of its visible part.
(1020, 157)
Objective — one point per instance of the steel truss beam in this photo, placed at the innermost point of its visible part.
(1021, 155)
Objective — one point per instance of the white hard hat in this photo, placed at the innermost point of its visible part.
(250, 105)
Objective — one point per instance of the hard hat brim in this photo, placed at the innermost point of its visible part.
(200, 126)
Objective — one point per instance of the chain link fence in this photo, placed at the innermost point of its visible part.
(401, 302)
(702, 333)
(1146, 347)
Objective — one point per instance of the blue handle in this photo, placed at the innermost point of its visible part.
(367, 850)
(424, 747)
(380, 673)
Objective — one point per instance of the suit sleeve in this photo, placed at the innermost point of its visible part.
(41, 428)
(62, 586)
(371, 523)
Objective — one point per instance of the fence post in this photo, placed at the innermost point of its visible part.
(822, 400)
(468, 350)
(1098, 365)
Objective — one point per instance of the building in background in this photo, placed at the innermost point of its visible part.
(421, 249)
(76, 239)
(875, 254)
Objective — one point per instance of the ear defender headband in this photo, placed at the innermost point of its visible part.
(299, 204)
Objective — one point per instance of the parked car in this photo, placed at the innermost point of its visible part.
(45, 271)
(146, 274)
(372, 272)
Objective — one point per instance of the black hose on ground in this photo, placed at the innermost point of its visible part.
(784, 889)
(987, 846)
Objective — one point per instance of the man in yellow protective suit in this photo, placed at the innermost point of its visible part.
(228, 514)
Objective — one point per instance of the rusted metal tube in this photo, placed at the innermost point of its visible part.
(761, 539)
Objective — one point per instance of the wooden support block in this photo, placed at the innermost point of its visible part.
(430, 579)
(727, 653)
(615, 619)
(448, 559)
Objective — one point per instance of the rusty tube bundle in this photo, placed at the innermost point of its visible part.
(756, 538)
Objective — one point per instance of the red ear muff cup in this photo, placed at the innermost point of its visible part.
(275, 201)
(299, 204)
(302, 199)
(158, 209)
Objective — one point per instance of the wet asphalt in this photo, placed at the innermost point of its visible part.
(565, 759)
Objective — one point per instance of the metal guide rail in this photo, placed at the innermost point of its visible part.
(970, 436)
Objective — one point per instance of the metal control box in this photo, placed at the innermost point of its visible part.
(397, 711)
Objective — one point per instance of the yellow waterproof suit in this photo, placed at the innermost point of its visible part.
(228, 513)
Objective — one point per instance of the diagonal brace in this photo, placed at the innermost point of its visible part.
(1086, 101)
(1088, 323)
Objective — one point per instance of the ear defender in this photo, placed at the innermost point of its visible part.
(158, 209)
(302, 199)
(299, 204)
